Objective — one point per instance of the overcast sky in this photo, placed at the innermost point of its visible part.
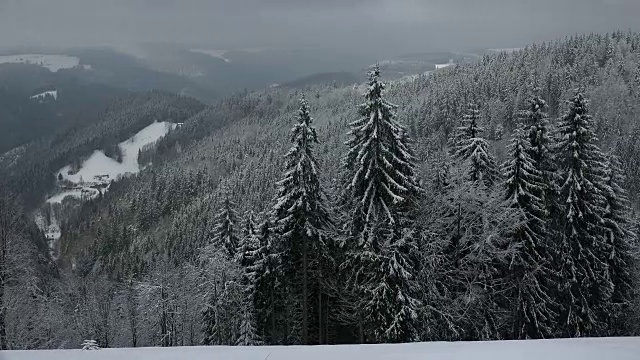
(364, 25)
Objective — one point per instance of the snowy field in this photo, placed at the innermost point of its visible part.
(99, 164)
(565, 349)
(51, 62)
(213, 53)
(43, 95)
(442, 66)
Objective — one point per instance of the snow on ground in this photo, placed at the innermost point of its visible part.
(43, 95)
(83, 193)
(213, 53)
(100, 164)
(583, 349)
(442, 66)
(507, 50)
(51, 62)
(100, 169)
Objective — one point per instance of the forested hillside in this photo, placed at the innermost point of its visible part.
(493, 200)
(25, 118)
(29, 169)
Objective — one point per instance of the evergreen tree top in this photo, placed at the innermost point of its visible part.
(380, 163)
(225, 232)
(469, 145)
(299, 192)
(578, 139)
(523, 179)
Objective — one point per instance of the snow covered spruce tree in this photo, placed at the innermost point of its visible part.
(381, 193)
(585, 283)
(247, 255)
(301, 221)
(621, 237)
(527, 270)
(226, 231)
(536, 124)
(219, 259)
(469, 146)
(248, 245)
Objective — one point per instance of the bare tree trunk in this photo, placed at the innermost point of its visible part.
(305, 295)
(326, 321)
(164, 317)
(132, 310)
(320, 312)
(360, 327)
(320, 302)
(273, 315)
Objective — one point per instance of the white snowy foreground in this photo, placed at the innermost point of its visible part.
(564, 349)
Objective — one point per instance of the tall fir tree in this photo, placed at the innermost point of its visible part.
(249, 243)
(528, 268)
(226, 229)
(536, 123)
(248, 254)
(540, 149)
(585, 284)
(621, 237)
(469, 146)
(301, 216)
(381, 192)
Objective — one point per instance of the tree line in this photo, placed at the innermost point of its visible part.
(548, 250)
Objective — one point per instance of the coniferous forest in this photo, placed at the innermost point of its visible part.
(485, 201)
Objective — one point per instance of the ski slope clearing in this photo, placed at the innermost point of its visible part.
(213, 53)
(442, 66)
(42, 96)
(99, 169)
(583, 349)
(51, 62)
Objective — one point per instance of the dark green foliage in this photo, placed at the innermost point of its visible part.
(301, 224)
(381, 191)
(470, 147)
(528, 269)
(585, 284)
(621, 237)
(227, 231)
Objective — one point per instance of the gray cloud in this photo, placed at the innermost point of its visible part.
(379, 26)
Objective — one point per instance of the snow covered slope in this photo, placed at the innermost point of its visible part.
(101, 169)
(43, 95)
(213, 53)
(565, 349)
(51, 62)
